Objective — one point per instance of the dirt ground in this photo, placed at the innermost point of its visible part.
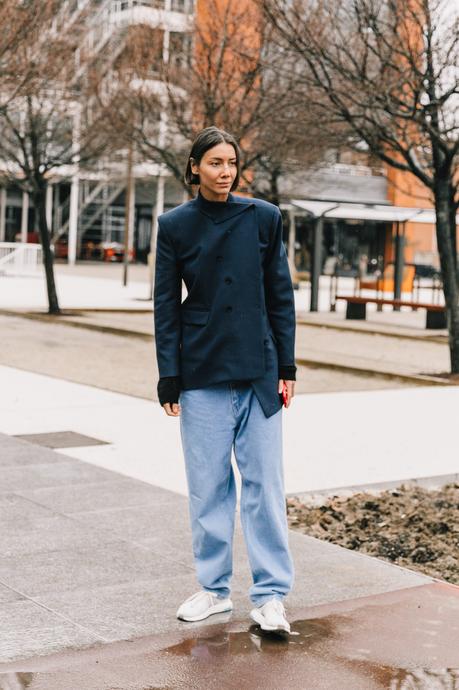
(411, 526)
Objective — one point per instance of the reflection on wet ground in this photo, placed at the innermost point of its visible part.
(308, 634)
(404, 640)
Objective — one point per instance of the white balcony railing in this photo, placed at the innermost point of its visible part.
(20, 258)
(185, 6)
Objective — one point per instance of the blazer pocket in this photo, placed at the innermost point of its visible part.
(195, 317)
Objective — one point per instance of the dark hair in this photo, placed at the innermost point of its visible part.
(205, 140)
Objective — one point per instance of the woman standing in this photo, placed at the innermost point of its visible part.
(224, 356)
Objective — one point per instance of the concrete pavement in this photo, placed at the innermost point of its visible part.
(400, 640)
(90, 556)
(96, 547)
(330, 440)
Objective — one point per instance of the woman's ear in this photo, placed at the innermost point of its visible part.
(193, 165)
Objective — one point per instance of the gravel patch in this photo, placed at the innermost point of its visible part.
(410, 526)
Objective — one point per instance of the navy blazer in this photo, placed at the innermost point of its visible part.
(238, 319)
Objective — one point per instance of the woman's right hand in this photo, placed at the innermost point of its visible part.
(169, 394)
(172, 409)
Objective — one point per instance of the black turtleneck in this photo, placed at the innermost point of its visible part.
(169, 386)
(214, 205)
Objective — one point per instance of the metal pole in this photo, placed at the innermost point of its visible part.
(316, 264)
(291, 236)
(24, 217)
(399, 264)
(128, 215)
(2, 214)
(158, 209)
(74, 192)
(49, 207)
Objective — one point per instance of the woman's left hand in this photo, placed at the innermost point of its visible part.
(290, 390)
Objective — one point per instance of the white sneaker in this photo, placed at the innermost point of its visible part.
(271, 616)
(203, 604)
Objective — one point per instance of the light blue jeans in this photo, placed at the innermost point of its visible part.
(213, 420)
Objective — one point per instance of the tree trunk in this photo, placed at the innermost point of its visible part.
(39, 198)
(274, 185)
(453, 228)
(446, 251)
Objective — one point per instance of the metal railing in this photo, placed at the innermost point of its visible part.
(20, 258)
(185, 6)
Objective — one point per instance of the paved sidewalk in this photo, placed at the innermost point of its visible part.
(89, 556)
(330, 440)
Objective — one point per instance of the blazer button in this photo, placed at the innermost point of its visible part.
(229, 309)
(266, 341)
(228, 281)
(219, 257)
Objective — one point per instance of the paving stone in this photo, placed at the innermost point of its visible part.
(68, 569)
(29, 629)
(103, 496)
(17, 453)
(20, 512)
(35, 476)
(127, 610)
(325, 572)
(51, 534)
(141, 523)
(7, 595)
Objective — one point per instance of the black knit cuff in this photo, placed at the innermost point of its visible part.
(287, 372)
(169, 389)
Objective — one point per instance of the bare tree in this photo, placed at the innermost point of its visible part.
(225, 72)
(388, 71)
(46, 118)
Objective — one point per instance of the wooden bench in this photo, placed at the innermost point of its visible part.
(356, 308)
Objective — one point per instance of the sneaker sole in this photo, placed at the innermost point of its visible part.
(216, 608)
(258, 618)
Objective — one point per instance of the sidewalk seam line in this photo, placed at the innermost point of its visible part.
(56, 613)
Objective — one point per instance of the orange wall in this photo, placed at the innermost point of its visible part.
(404, 189)
(239, 21)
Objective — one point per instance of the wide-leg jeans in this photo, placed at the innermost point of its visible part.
(213, 420)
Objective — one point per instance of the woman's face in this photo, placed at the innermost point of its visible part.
(217, 171)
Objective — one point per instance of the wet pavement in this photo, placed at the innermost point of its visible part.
(403, 640)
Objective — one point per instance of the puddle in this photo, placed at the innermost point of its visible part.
(307, 638)
(252, 641)
(400, 640)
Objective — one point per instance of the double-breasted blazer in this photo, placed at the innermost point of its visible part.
(238, 319)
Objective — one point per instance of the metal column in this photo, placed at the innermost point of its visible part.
(158, 209)
(2, 214)
(316, 265)
(74, 190)
(129, 214)
(49, 207)
(291, 236)
(25, 217)
(399, 264)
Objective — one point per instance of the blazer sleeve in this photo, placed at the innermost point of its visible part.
(167, 296)
(279, 295)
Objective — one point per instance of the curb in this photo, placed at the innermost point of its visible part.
(48, 318)
(442, 340)
(417, 379)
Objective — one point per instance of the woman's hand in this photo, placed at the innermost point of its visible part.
(172, 409)
(290, 390)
